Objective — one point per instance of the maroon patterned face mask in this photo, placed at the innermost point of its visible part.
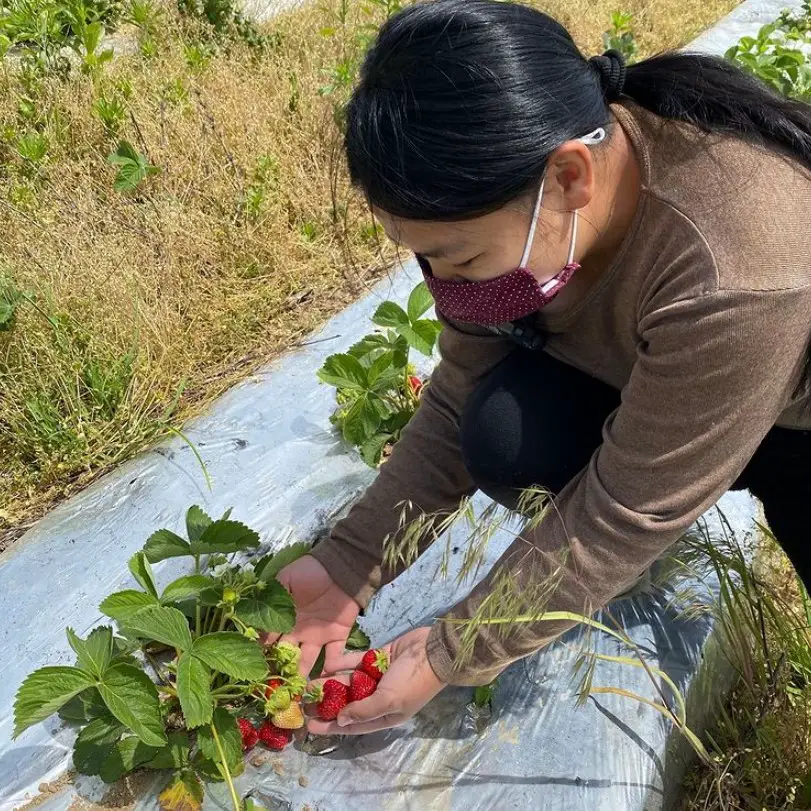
(512, 295)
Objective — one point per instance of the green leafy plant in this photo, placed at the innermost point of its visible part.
(111, 111)
(164, 687)
(224, 21)
(133, 167)
(10, 299)
(780, 55)
(378, 392)
(264, 181)
(620, 36)
(32, 147)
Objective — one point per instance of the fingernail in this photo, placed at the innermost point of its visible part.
(344, 722)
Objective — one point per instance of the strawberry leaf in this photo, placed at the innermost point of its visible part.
(45, 691)
(271, 610)
(185, 793)
(133, 699)
(225, 537)
(142, 572)
(231, 653)
(123, 604)
(230, 738)
(188, 586)
(196, 523)
(344, 372)
(87, 706)
(421, 335)
(194, 690)
(94, 653)
(389, 314)
(269, 567)
(419, 302)
(161, 624)
(164, 544)
(127, 754)
(173, 756)
(93, 744)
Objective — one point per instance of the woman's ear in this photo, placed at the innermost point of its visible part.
(569, 177)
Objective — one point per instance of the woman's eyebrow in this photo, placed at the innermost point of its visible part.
(442, 253)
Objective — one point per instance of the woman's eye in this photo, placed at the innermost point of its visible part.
(468, 263)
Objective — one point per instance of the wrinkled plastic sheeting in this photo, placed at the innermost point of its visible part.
(273, 456)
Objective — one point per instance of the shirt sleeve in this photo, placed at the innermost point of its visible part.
(711, 377)
(425, 469)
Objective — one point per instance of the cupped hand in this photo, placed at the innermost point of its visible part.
(325, 613)
(406, 687)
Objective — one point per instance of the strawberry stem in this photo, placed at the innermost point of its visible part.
(225, 771)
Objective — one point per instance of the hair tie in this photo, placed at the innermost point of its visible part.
(611, 69)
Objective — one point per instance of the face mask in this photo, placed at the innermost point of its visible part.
(512, 295)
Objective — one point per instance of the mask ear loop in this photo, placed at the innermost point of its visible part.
(592, 139)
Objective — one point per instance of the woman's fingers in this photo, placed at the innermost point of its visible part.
(309, 655)
(318, 727)
(338, 660)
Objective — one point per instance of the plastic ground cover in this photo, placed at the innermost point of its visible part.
(275, 459)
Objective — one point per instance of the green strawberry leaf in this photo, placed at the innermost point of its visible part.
(419, 302)
(165, 544)
(421, 335)
(389, 314)
(142, 572)
(133, 699)
(44, 692)
(357, 639)
(87, 706)
(362, 420)
(269, 567)
(94, 653)
(123, 604)
(382, 370)
(188, 586)
(194, 690)
(371, 451)
(231, 653)
(93, 744)
(271, 610)
(230, 738)
(173, 756)
(197, 522)
(225, 536)
(161, 624)
(127, 754)
(343, 371)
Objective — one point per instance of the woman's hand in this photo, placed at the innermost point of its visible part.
(406, 687)
(325, 613)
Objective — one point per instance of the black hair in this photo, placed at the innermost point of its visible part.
(460, 103)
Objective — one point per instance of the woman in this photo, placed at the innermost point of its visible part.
(621, 260)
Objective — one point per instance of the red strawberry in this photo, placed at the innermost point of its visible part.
(272, 685)
(375, 663)
(250, 736)
(336, 697)
(273, 737)
(361, 685)
(415, 383)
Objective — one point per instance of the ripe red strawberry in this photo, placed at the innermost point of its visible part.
(361, 685)
(416, 384)
(375, 663)
(335, 698)
(250, 736)
(272, 685)
(273, 737)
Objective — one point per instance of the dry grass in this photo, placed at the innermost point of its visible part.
(151, 304)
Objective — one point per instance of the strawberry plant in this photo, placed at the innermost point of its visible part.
(179, 681)
(377, 390)
(133, 167)
(780, 54)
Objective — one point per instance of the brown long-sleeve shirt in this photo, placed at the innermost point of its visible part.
(703, 321)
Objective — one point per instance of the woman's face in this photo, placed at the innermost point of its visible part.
(489, 246)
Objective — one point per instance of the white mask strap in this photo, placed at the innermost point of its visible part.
(592, 139)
